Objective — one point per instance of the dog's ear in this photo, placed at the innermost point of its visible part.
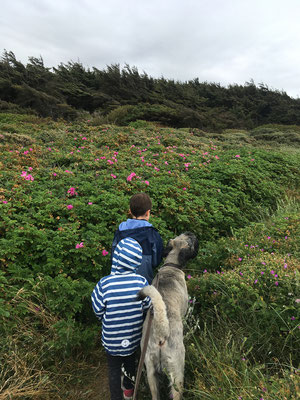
(168, 248)
(196, 247)
(190, 252)
(194, 244)
(184, 255)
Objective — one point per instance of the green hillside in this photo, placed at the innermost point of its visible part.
(65, 187)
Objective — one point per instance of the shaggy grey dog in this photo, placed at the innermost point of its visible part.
(168, 292)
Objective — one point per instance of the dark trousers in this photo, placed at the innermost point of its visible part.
(114, 374)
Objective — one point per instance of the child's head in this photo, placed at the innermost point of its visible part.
(140, 205)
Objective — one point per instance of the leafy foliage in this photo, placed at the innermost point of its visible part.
(65, 189)
(245, 324)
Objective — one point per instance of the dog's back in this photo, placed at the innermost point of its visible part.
(169, 299)
(172, 287)
(165, 349)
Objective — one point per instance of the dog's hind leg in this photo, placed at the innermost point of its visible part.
(176, 375)
(177, 386)
(152, 376)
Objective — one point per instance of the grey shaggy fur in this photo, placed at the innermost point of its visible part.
(165, 351)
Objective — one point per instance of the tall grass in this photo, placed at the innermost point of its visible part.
(219, 367)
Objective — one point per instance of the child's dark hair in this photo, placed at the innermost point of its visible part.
(139, 204)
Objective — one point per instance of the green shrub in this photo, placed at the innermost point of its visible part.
(277, 134)
(141, 124)
(261, 299)
(279, 233)
(165, 115)
(23, 140)
(253, 285)
(52, 255)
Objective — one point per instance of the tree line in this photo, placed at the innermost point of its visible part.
(122, 95)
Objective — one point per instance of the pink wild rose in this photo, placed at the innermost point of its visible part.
(130, 176)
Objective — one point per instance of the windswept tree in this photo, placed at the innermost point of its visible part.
(124, 95)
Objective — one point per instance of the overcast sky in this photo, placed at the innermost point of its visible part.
(224, 41)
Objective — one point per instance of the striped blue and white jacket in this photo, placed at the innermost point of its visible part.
(115, 304)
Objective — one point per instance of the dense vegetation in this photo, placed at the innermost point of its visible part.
(117, 95)
(64, 189)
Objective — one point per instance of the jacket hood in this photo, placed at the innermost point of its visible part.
(127, 257)
(132, 223)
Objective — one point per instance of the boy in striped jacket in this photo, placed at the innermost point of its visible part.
(115, 303)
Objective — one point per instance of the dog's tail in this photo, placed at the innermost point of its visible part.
(160, 319)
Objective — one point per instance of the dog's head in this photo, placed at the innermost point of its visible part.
(184, 246)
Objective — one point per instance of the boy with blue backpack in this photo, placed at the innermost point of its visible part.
(139, 228)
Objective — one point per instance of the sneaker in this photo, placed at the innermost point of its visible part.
(128, 394)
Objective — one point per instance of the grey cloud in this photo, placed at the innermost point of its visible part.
(228, 41)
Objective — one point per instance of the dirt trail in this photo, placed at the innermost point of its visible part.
(98, 388)
(91, 382)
